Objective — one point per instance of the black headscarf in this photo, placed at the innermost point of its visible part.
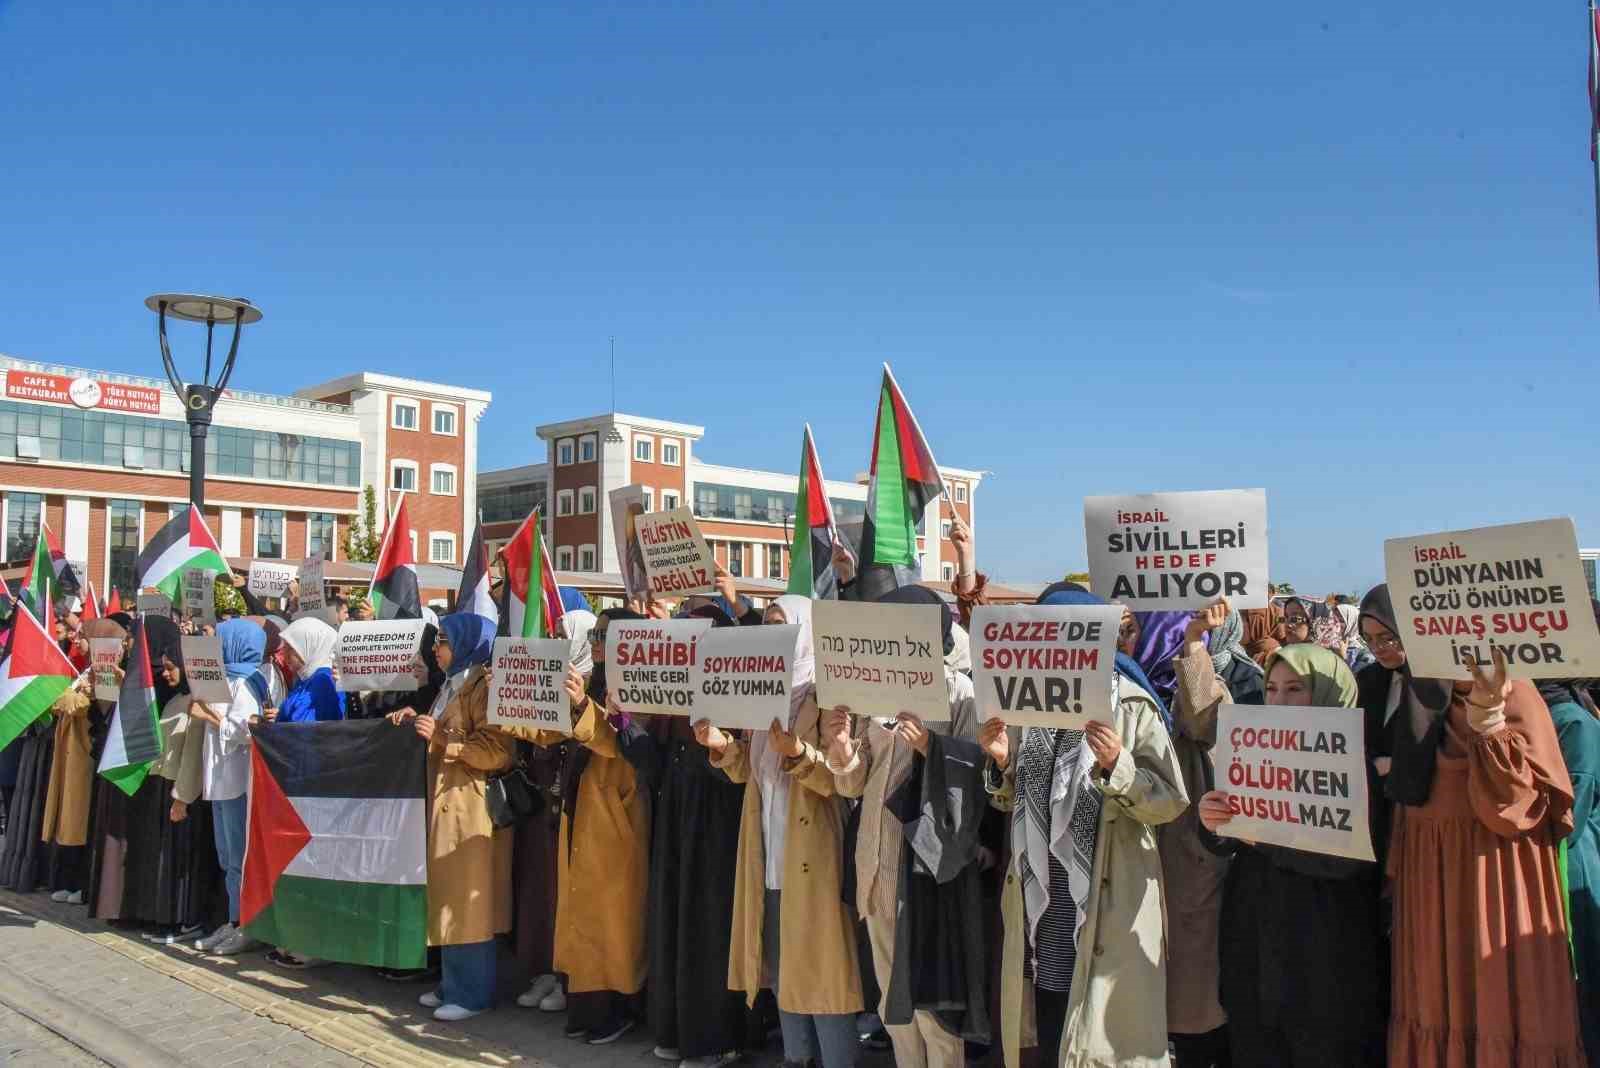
(164, 641)
(1418, 725)
(923, 595)
(1578, 691)
(419, 700)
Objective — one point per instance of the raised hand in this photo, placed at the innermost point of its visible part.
(788, 745)
(711, 737)
(574, 685)
(1206, 620)
(1106, 743)
(913, 731)
(1486, 701)
(1214, 811)
(995, 742)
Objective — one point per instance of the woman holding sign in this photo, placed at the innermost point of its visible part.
(1083, 901)
(313, 697)
(1301, 950)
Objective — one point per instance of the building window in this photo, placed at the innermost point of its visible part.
(669, 453)
(564, 558)
(586, 449)
(944, 530)
(649, 499)
(321, 534)
(403, 476)
(404, 415)
(564, 502)
(948, 571)
(23, 511)
(564, 452)
(124, 536)
(644, 449)
(669, 500)
(442, 480)
(586, 501)
(441, 548)
(961, 493)
(510, 504)
(444, 420)
(586, 558)
(736, 558)
(269, 534)
(775, 561)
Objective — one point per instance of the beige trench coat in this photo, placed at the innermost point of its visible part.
(603, 867)
(67, 797)
(818, 971)
(1117, 1011)
(469, 861)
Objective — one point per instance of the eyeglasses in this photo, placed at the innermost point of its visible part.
(1296, 621)
(1388, 641)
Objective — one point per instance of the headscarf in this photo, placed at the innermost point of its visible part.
(1350, 624)
(597, 678)
(1227, 648)
(1072, 593)
(797, 610)
(1160, 640)
(573, 600)
(471, 640)
(243, 644)
(1414, 743)
(577, 624)
(314, 642)
(164, 641)
(1260, 627)
(923, 595)
(959, 658)
(1324, 672)
(1577, 691)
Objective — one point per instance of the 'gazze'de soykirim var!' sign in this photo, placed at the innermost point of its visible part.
(652, 665)
(1178, 551)
(880, 659)
(1295, 776)
(676, 556)
(527, 687)
(1044, 665)
(1462, 594)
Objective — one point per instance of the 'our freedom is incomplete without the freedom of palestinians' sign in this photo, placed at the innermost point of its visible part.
(1178, 551)
(379, 654)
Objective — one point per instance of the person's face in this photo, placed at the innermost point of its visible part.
(292, 663)
(597, 640)
(442, 653)
(171, 673)
(1296, 622)
(74, 621)
(1285, 687)
(1128, 633)
(1384, 643)
(774, 616)
(61, 630)
(342, 613)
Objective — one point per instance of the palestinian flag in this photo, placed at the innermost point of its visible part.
(533, 600)
(41, 573)
(335, 862)
(474, 596)
(68, 581)
(33, 676)
(184, 544)
(815, 532)
(114, 605)
(904, 481)
(395, 594)
(134, 740)
(91, 604)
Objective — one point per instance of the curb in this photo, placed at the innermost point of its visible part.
(82, 1027)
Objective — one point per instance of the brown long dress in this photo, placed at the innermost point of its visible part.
(1481, 972)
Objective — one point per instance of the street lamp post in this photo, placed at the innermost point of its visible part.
(199, 398)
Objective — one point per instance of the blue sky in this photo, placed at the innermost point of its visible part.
(1346, 255)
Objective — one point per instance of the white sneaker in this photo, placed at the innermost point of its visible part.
(234, 944)
(538, 991)
(452, 1013)
(60, 896)
(715, 1060)
(430, 1000)
(555, 1001)
(215, 938)
(666, 1053)
(75, 898)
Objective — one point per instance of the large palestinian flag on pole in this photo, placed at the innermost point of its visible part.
(815, 532)
(904, 481)
(474, 596)
(532, 597)
(41, 573)
(33, 676)
(184, 544)
(134, 739)
(68, 582)
(395, 593)
(335, 862)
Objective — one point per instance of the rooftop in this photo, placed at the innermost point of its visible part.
(373, 380)
(633, 422)
(250, 396)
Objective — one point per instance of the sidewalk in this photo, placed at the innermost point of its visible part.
(178, 1006)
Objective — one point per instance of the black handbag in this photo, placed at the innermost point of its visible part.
(511, 797)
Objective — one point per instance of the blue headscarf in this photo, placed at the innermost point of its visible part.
(1072, 593)
(243, 645)
(573, 600)
(471, 640)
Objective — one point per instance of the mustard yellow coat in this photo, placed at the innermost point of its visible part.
(66, 803)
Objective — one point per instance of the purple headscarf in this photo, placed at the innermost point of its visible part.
(1160, 639)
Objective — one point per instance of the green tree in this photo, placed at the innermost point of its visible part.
(225, 597)
(362, 541)
(1080, 577)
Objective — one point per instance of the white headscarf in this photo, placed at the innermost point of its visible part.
(959, 658)
(797, 610)
(313, 641)
(774, 783)
(1350, 618)
(577, 624)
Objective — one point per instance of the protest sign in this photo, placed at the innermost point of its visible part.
(527, 687)
(744, 676)
(651, 664)
(105, 656)
(1178, 551)
(379, 654)
(199, 595)
(202, 667)
(313, 598)
(676, 556)
(153, 603)
(627, 506)
(1295, 776)
(880, 659)
(271, 580)
(1044, 665)
(1518, 588)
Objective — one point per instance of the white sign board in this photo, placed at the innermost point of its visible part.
(379, 654)
(1044, 665)
(1295, 776)
(202, 666)
(313, 596)
(880, 659)
(1178, 551)
(271, 580)
(744, 676)
(527, 687)
(105, 656)
(652, 664)
(199, 595)
(627, 507)
(676, 556)
(1517, 588)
